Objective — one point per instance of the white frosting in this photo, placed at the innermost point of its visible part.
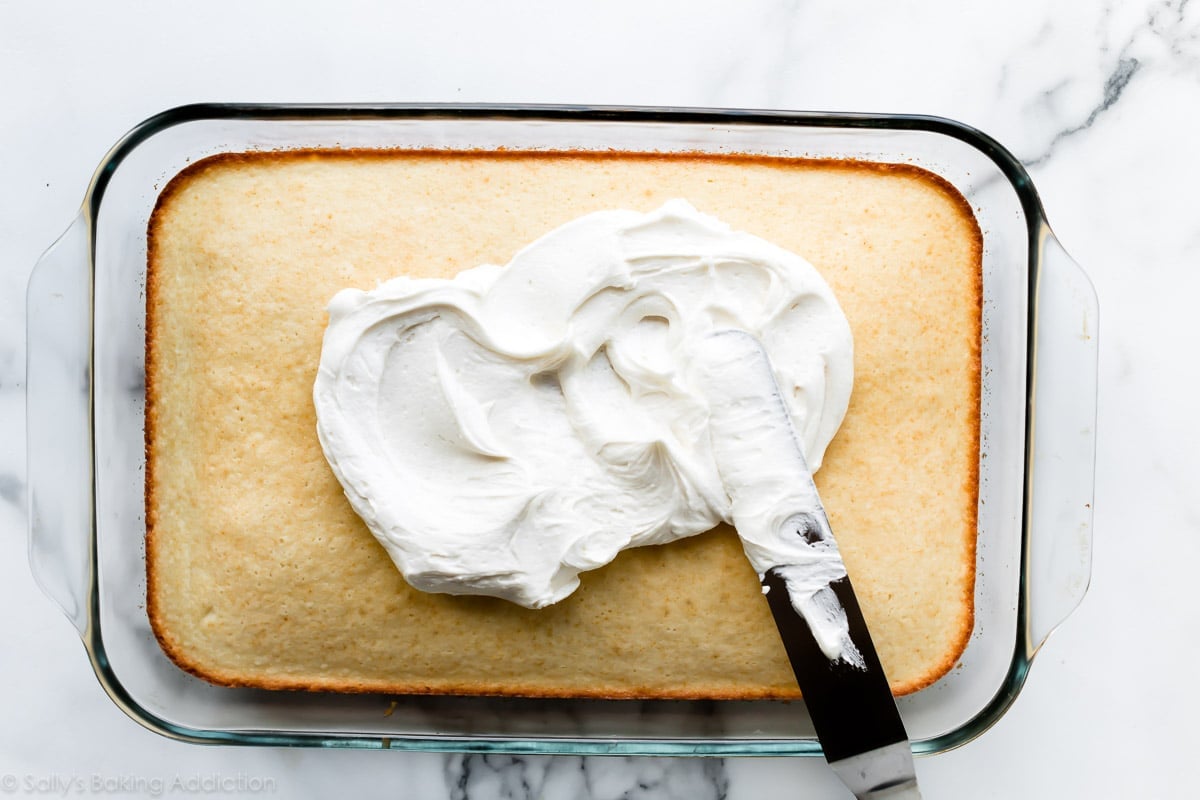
(505, 430)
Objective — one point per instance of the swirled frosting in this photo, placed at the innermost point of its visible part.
(503, 431)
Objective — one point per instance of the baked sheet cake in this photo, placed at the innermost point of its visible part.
(260, 573)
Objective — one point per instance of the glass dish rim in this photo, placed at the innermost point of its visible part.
(1024, 648)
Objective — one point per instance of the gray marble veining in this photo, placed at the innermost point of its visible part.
(10, 488)
(502, 777)
(1119, 78)
(1166, 39)
(12, 450)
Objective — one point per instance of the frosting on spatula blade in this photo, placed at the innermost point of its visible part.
(786, 534)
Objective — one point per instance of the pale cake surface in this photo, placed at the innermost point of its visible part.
(261, 574)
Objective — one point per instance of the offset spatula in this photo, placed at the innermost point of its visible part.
(787, 537)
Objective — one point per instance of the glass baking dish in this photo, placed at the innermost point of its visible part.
(86, 318)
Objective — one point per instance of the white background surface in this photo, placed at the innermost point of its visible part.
(1102, 103)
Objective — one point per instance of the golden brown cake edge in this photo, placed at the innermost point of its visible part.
(177, 654)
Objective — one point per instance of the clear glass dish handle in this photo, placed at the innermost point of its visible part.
(58, 425)
(1063, 452)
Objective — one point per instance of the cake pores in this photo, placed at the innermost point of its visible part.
(501, 432)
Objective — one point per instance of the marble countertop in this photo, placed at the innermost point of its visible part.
(1101, 102)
